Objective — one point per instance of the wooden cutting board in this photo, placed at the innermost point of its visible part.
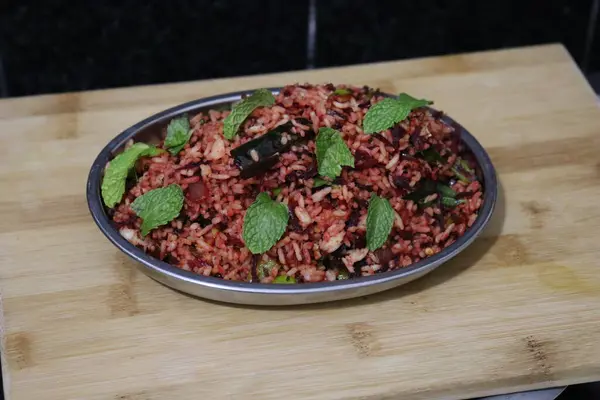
(520, 309)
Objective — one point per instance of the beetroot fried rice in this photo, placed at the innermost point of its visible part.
(325, 237)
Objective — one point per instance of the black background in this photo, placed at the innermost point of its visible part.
(57, 46)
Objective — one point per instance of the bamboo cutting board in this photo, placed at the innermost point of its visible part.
(520, 309)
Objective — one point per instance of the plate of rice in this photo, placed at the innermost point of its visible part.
(301, 194)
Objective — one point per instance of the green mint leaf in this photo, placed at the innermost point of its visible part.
(342, 92)
(178, 134)
(113, 183)
(385, 114)
(412, 102)
(332, 153)
(318, 182)
(264, 224)
(243, 109)
(158, 207)
(380, 219)
(284, 279)
(388, 112)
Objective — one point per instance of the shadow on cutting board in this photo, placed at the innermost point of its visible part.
(445, 272)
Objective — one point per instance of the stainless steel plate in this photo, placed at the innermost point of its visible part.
(148, 131)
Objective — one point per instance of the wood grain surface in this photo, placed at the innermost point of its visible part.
(520, 309)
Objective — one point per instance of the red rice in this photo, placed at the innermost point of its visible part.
(206, 237)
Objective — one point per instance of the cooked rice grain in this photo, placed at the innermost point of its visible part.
(327, 228)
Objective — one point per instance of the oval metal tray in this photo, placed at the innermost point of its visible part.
(148, 131)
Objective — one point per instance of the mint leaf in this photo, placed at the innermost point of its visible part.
(342, 92)
(264, 224)
(380, 219)
(158, 207)
(284, 279)
(318, 182)
(413, 102)
(178, 134)
(115, 175)
(243, 109)
(332, 153)
(389, 111)
(384, 115)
